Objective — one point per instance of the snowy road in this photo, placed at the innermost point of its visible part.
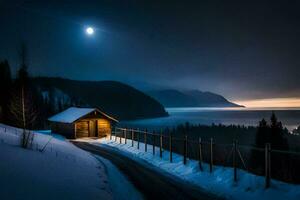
(120, 186)
(153, 184)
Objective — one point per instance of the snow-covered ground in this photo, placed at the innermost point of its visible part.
(220, 182)
(60, 171)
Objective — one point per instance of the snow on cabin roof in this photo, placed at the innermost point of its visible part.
(73, 113)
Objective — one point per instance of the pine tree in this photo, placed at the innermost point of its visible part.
(257, 156)
(277, 139)
(262, 134)
(275, 135)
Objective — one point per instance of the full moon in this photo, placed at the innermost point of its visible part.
(89, 30)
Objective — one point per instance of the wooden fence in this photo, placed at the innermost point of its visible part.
(204, 151)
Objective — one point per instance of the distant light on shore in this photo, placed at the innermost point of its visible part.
(271, 103)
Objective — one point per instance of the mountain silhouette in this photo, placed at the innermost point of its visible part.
(190, 98)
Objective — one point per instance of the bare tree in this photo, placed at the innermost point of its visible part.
(22, 108)
(24, 113)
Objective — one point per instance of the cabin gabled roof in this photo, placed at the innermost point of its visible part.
(72, 114)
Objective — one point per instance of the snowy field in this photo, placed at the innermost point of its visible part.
(220, 182)
(61, 171)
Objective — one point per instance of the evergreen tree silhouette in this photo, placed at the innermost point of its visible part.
(277, 139)
(275, 135)
(262, 134)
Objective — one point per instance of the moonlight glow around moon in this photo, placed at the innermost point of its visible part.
(89, 31)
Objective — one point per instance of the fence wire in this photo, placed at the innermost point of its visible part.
(283, 166)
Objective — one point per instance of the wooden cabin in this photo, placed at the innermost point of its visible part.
(82, 122)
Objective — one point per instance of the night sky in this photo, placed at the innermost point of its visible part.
(242, 50)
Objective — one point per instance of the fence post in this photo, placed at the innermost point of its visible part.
(160, 145)
(132, 137)
(234, 160)
(268, 164)
(138, 139)
(211, 156)
(125, 135)
(115, 135)
(121, 139)
(145, 140)
(184, 149)
(153, 143)
(170, 148)
(200, 154)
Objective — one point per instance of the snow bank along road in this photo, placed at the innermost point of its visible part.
(152, 183)
(220, 182)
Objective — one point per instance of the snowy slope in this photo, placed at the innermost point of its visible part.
(62, 171)
(220, 182)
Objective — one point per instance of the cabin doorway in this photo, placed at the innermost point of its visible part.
(104, 128)
(93, 128)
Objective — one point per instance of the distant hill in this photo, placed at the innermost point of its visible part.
(192, 98)
(115, 98)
